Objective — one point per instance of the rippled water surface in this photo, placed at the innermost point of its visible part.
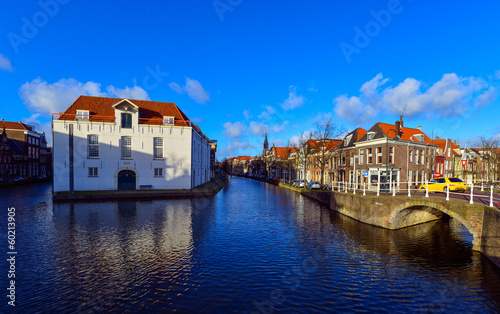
(252, 248)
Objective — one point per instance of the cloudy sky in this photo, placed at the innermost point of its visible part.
(242, 68)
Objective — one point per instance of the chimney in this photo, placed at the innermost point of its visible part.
(437, 136)
(398, 128)
(401, 121)
(420, 127)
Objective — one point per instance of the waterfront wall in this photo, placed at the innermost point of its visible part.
(397, 212)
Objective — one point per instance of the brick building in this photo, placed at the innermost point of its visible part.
(394, 155)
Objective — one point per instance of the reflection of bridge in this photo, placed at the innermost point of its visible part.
(396, 212)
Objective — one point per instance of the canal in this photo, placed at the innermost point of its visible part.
(253, 247)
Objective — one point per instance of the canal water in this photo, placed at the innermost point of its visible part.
(252, 248)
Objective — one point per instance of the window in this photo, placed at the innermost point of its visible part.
(369, 155)
(422, 157)
(347, 139)
(126, 147)
(93, 172)
(158, 147)
(379, 155)
(168, 120)
(158, 172)
(371, 135)
(351, 159)
(361, 156)
(391, 154)
(82, 115)
(416, 156)
(411, 156)
(93, 146)
(127, 120)
(342, 159)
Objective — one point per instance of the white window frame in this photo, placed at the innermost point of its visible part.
(158, 147)
(82, 115)
(168, 120)
(91, 154)
(158, 172)
(93, 172)
(126, 147)
(379, 154)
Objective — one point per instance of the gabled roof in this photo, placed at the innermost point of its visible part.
(283, 152)
(441, 143)
(148, 110)
(13, 125)
(353, 136)
(408, 133)
(331, 144)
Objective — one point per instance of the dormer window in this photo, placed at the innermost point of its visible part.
(347, 139)
(126, 120)
(419, 137)
(371, 135)
(82, 115)
(167, 120)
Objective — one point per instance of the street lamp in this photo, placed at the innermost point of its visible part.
(396, 136)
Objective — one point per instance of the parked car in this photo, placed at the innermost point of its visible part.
(313, 185)
(441, 185)
(300, 183)
(17, 179)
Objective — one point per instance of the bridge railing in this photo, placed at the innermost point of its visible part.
(488, 195)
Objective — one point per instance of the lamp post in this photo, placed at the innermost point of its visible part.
(396, 135)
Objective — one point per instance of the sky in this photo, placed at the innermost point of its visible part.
(241, 69)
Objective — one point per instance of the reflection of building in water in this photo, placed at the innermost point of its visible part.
(128, 242)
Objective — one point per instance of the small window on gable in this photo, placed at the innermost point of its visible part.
(82, 115)
(347, 139)
(126, 120)
(167, 120)
(371, 135)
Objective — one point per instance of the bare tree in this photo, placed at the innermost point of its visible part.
(325, 132)
(304, 148)
(490, 156)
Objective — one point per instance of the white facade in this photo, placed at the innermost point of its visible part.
(157, 156)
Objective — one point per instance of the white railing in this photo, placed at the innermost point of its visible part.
(490, 193)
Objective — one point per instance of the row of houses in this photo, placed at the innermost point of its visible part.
(23, 152)
(386, 154)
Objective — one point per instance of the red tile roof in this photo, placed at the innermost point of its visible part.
(150, 112)
(408, 133)
(13, 125)
(334, 143)
(361, 132)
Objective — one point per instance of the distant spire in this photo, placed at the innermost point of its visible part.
(266, 146)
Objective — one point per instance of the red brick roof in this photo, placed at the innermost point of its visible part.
(283, 152)
(13, 125)
(148, 110)
(334, 143)
(408, 133)
(441, 143)
(361, 132)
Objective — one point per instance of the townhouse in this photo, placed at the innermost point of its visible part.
(103, 143)
(344, 157)
(393, 155)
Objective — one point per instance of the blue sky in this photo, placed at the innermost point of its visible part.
(241, 68)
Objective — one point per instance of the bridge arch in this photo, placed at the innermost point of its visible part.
(411, 212)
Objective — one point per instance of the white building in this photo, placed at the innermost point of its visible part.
(105, 143)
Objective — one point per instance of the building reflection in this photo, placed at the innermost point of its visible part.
(131, 245)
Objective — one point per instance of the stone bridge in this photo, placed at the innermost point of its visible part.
(396, 212)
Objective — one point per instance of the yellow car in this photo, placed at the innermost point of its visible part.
(441, 185)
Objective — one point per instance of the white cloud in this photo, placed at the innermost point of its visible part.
(450, 96)
(235, 148)
(45, 99)
(280, 127)
(247, 114)
(259, 128)
(312, 89)
(295, 139)
(5, 63)
(293, 101)
(497, 75)
(233, 129)
(194, 90)
(267, 114)
(135, 92)
(353, 109)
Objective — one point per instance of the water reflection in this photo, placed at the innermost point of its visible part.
(253, 247)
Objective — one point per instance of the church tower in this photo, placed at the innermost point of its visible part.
(266, 146)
